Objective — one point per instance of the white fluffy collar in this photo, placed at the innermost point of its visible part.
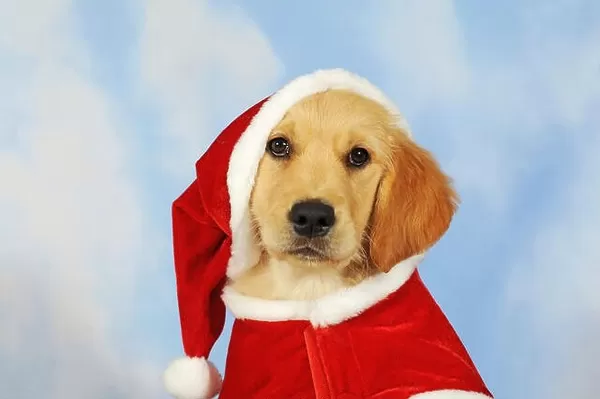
(327, 310)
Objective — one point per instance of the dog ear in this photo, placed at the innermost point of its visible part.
(414, 206)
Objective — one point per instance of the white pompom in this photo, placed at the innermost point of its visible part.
(192, 378)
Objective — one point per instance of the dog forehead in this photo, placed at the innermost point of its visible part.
(331, 131)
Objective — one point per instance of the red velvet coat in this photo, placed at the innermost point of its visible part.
(400, 347)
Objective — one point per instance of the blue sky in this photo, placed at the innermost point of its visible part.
(106, 106)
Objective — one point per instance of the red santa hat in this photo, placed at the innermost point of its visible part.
(212, 237)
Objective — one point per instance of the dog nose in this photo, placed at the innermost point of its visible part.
(312, 218)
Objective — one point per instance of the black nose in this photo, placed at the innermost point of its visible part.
(312, 218)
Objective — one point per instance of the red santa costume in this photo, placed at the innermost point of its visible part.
(385, 338)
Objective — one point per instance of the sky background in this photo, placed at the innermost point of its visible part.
(106, 105)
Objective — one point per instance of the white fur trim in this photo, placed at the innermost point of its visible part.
(251, 146)
(192, 378)
(450, 394)
(328, 310)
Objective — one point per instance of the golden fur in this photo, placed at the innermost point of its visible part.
(397, 205)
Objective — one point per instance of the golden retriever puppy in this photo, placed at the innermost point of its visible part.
(341, 194)
(313, 245)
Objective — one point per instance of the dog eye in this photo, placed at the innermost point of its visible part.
(358, 156)
(279, 147)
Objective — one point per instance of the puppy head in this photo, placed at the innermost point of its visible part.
(339, 183)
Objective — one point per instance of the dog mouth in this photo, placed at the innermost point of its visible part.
(308, 251)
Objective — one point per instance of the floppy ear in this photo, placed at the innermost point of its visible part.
(414, 206)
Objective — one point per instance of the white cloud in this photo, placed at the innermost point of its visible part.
(554, 285)
(71, 230)
(41, 34)
(502, 102)
(421, 43)
(73, 237)
(196, 61)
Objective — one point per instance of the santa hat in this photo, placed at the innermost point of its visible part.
(212, 237)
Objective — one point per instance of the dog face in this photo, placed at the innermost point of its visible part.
(340, 184)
